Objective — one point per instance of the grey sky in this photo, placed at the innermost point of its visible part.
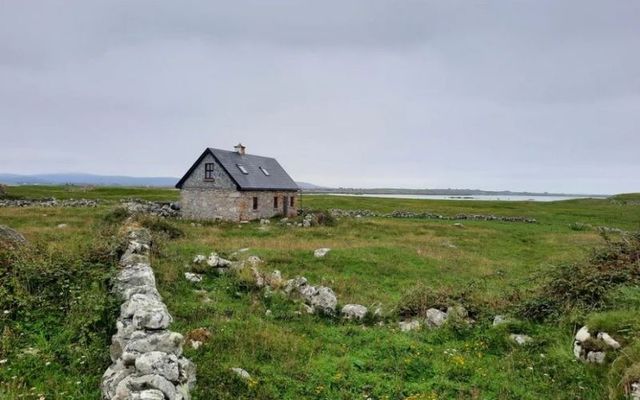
(523, 95)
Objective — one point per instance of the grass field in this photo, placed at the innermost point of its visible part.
(374, 261)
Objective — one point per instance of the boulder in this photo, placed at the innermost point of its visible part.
(435, 318)
(634, 392)
(354, 311)
(324, 300)
(11, 237)
(319, 253)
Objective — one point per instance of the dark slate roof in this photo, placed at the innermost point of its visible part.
(278, 178)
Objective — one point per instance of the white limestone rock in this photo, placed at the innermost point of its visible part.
(583, 334)
(193, 278)
(520, 338)
(435, 318)
(406, 326)
(159, 363)
(241, 373)
(199, 259)
(321, 252)
(499, 320)
(354, 311)
(608, 340)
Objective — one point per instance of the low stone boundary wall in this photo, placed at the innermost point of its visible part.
(50, 202)
(337, 212)
(147, 356)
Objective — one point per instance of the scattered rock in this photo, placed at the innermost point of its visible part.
(608, 340)
(354, 311)
(265, 221)
(458, 225)
(193, 278)
(499, 320)
(241, 373)
(592, 349)
(597, 357)
(319, 253)
(435, 318)
(520, 338)
(62, 226)
(199, 259)
(11, 237)
(254, 261)
(406, 326)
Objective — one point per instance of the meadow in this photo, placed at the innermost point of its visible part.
(490, 267)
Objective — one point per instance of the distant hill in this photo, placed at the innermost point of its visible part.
(102, 180)
(86, 179)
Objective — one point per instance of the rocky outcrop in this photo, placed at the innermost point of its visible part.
(593, 348)
(11, 237)
(146, 355)
(320, 299)
(49, 202)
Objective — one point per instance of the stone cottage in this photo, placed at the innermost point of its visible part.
(236, 186)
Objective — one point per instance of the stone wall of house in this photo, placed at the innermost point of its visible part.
(233, 205)
(221, 180)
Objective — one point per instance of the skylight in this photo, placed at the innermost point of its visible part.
(264, 171)
(242, 169)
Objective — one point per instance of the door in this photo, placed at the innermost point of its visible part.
(285, 207)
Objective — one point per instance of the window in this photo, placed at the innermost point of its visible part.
(291, 201)
(208, 171)
(255, 203)
(264, 171)
(242, 169)
(275, 202)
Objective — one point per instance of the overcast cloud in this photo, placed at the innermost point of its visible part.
(523, 95)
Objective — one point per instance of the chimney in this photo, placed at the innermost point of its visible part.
(239, 148)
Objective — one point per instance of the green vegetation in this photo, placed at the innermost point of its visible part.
(405, 265)
(108, 194)
(56, 314)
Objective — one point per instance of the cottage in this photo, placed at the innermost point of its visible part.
(235, 186)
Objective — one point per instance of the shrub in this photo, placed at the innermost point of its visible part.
(584, 286)
(624, 371)
(115, 216)
(161, 226)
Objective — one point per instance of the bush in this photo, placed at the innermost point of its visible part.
(418, 299)
(115, 216)
(585, 286)
(161, 226)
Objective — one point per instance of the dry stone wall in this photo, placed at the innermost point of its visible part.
(147, 356)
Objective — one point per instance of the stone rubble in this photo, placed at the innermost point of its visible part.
(147, 357)
(592, 348)
(156, 208)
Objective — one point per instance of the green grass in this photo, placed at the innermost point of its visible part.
(374, 260)
(109, 194)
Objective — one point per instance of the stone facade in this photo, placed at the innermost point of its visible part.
(234, 205)
(220, 199)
